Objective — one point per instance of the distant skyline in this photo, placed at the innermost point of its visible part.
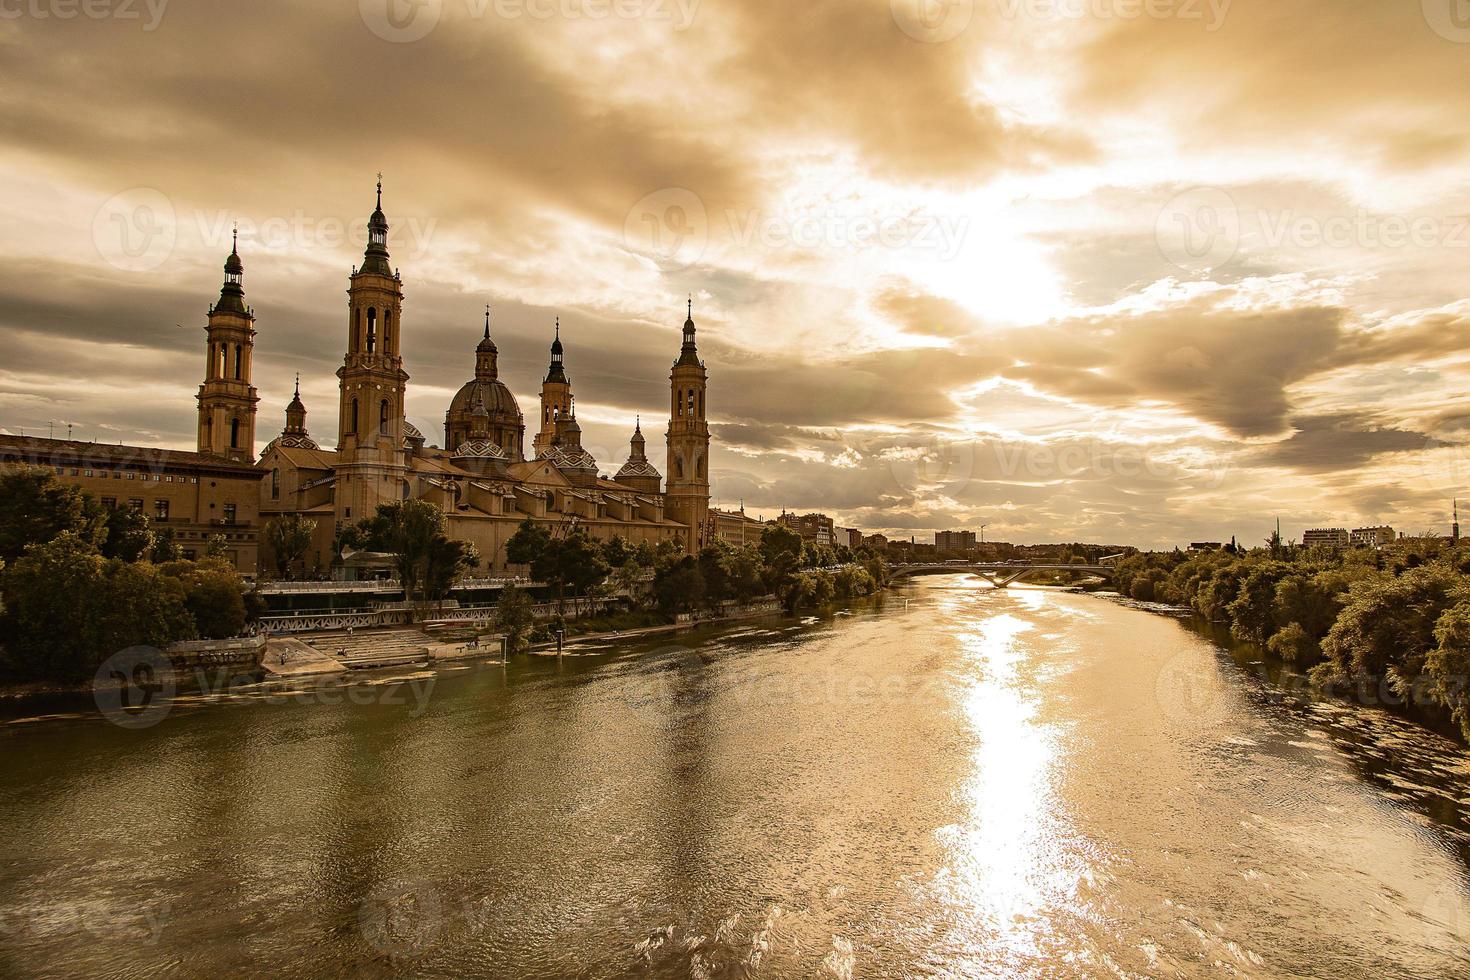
(1107, 272)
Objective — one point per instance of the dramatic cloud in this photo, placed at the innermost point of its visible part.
(1054, 268)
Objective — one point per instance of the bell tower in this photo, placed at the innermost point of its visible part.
(371, 462)
(227, 399)
(556, 398)
(687, 497)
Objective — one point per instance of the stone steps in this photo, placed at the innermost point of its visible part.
(380, 648)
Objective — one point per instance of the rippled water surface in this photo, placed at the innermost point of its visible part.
(955, 782)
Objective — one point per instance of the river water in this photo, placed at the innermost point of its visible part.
(952, 781)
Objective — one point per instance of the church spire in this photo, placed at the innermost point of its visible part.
(232, 293)
(556, 373)
(375, 258)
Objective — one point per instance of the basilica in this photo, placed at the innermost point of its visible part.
(486, 480)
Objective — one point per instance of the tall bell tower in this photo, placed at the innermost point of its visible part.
(371, 462)
(556, 397)
(687, 497)
(227, 399)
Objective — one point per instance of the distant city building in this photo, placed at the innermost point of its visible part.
(1326, 537)
(876, 541)
(954, 540)
(735, 528)
(1206, 545)
(816, 528)
(1372, 537)
(849, 536)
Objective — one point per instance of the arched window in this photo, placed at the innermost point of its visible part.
(239, 360)
(353, 430)
(275, 484)
(679, 467)
(383, 416)
(679, 403)
(220, 373)
(699, 467)
(691, 402)
(234, 433)
(387, 330)
(372, 334)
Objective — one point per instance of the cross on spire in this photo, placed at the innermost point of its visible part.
(487, 320)
(235, 239)
(380, 189)
(298, 384)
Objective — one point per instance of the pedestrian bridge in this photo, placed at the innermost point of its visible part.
(998, 573)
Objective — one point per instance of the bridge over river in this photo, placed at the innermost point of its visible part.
(998, 573)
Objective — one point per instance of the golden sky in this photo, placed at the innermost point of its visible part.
(1129, 271)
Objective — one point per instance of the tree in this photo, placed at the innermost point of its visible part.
(1448, 664)
(289, 538)
(680, 586)
(1252, 610)
(714, 568)
(213, 594)
(67, 609)
(616, 552)
(216, 547)
(127, 534)
(1386, 630)
(573, 562)
(447, 560)
(514, 616)
(743, 574)
(408, 530)
(527, 544)
(35, 507)
(1295, 644)
(165, 547)
(780, 549)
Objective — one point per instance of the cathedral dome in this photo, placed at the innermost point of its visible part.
(495, 396)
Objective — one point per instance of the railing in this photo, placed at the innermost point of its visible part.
(393, 585)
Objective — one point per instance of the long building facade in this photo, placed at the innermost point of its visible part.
(484, 479)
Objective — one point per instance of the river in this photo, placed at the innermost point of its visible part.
(950, 781)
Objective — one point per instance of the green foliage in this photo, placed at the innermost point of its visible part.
(1295, 644)
(35, 507)
(289, 538)
(67, 609)
(1386, 630)
(679, 587)
(412, 531)
(213, 594)
(1448, 664)
(127, 535)
(514, 617)
(165, 547)
(527, 544)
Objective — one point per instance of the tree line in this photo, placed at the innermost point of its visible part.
(1389, 626)
(575, 567)
(80, 581)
